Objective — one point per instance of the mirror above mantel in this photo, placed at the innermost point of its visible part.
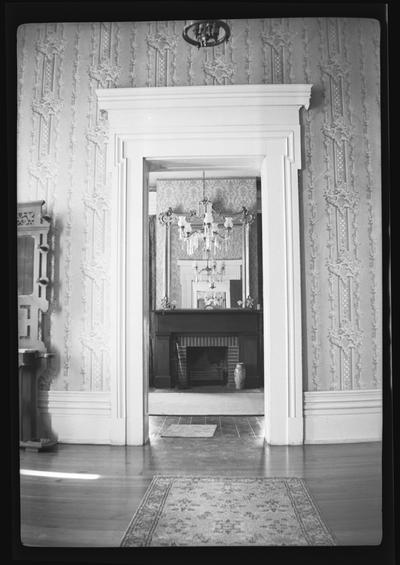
(222, 275)
(196, 291)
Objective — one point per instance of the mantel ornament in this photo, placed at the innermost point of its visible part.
(167, 304)
(249, 302)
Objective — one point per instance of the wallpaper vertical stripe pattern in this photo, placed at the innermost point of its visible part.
(62, 151)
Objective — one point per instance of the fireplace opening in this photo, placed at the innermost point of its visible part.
(207, 365)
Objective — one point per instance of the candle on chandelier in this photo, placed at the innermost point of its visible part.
(208, 218)
(181, 226)
(228, 224)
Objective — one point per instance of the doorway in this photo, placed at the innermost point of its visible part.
(196, 296)
(245, 125)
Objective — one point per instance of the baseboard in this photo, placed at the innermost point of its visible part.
(75, 416)
(329, 416)
(345, 416)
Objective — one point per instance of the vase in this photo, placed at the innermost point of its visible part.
(239, 375)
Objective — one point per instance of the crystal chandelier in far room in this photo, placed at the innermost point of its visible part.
(206, 228)
(212, 272)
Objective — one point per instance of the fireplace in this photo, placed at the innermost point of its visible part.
(206, 365)
(181, 335)
(206, 359)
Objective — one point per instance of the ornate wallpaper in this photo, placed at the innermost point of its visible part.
(228, 195)
(62, 152)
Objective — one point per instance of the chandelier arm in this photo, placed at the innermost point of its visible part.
(222, 236)
(244, 215)
(187, 237)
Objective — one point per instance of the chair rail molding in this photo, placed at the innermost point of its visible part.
(254, 125)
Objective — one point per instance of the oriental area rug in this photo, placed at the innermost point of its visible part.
(189, 430)
(226, 511)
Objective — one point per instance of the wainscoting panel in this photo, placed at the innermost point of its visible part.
(330, 416)
(343, 416)
(75, 417)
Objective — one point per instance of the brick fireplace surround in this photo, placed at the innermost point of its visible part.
(185, 341)
(175, 330)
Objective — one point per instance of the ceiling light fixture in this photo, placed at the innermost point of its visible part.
(213, 229)
(206, 33)
(206, 229)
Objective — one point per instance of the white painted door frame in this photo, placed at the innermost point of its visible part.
(253, 124)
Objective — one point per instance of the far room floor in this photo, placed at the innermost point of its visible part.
(206, 400)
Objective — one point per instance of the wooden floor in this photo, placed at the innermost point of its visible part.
(344, 480)
(227, 426)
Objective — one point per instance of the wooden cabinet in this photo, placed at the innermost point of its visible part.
(32, 248)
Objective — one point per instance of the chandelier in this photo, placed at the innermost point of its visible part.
(212, 274)
(206, 33)
(207, 228)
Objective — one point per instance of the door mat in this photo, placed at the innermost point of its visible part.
(189, 430)
(226, 511)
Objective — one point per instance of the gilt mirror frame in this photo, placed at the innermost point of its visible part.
(244, 218)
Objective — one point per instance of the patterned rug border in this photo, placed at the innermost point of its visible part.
(318, 510)
(172, 477)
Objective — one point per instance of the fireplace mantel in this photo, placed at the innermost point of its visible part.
(243, 323)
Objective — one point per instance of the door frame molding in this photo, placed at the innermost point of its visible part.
(257, 125)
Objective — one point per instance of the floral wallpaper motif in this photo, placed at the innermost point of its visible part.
(229, 195)
(62, 151)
